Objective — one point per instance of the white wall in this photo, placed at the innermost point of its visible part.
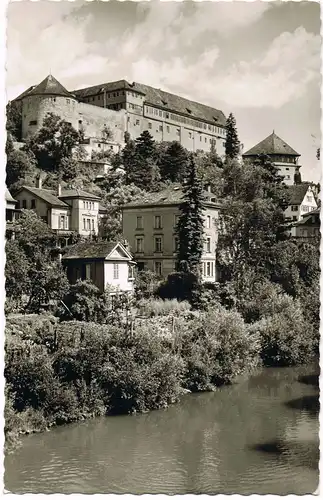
(122, 282)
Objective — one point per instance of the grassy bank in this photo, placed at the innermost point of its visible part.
(61, 372)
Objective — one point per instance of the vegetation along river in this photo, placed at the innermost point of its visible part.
(258, 436)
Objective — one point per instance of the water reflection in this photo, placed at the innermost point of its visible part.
(247, 438)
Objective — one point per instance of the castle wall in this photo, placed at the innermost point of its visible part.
(94, 118)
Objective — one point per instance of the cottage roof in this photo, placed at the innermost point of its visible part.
(272, 145)
(9, 197)
(172, 195)
(93, 250)
(297, 193)
(50, 86)
(78, 193)
(46, 195)
(307, 219)
(161, 99)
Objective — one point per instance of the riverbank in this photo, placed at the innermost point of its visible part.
(194, 447)
(59, 373)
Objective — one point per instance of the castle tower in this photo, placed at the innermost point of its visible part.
(48, 97)
(280, 153)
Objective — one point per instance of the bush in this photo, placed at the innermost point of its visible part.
(158, 307)
(286, 337)
(182, 286)
(216, 349)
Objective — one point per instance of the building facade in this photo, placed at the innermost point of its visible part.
(280, 153)
(65, 211)
(308, 227)
(124, 107)
(301, 202)
(150, 226)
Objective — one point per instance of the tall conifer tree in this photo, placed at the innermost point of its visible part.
(232, 143)
(190, 226)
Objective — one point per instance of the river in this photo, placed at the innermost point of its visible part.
(258, 436)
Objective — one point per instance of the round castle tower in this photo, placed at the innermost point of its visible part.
(47, 97)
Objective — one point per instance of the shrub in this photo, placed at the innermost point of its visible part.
(182, 286)
(217, 348)
(158, 307)
(286, 337)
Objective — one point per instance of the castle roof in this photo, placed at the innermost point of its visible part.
(161, 99)
(272, 145)
(50, 86)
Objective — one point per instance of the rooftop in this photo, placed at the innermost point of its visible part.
(50, 86)
(91, 250)
(159, 98)
(9, 197)
(297, 193)
(272, 145)
(78, 193)
(46, 195)
(172, 195)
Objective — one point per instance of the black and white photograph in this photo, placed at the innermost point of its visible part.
(162, 190)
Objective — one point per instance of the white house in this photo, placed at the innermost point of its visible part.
(104, 263)
(301, 202)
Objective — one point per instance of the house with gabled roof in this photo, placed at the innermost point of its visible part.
(65, 211)
(280, 153)
(308, 227)
(301, 201)
(104, 263)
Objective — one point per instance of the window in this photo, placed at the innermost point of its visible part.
(99, 145)
(137, 122)
(139, 244)
(190, 135)
(305, 208)
(167, 128)
(87, 271)
(61, 224)
(205, 139)
(140, 266)
(309, 198)
(158, 222)
(178, 132)
(67, 101)
(149, 125)
(208, 221)
(160, 128)
(294, 217)
(84, 224)
(158, 268)
(88, 224)
(158, 244)
(93, 225)
(115, 271)
(208, 245)
(294, 208)
(140, 224)
(131, 275)
(33, 204)
(33, 122)
(209, 269)
(24, 203)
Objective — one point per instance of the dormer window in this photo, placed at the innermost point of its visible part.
(189, 110)
(164, 103)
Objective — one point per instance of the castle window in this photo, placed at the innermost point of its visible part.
(54, 99)
(137, 122)
(99, 145)
(167, 128)
(205, 139)
(160, 128)
(33, 122)
(149, 125)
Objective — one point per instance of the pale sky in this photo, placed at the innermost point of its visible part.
(260, 60)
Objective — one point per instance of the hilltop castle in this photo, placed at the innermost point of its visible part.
(124, 107)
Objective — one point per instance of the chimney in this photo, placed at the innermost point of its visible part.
(59, 190)
(39, 182)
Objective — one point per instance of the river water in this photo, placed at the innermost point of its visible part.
(258, 436)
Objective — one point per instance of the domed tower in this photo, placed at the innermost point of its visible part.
(48, 97)
(280, 153)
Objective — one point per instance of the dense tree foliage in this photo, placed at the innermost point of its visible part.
(190, 227)
(173, 162)
(232, 143)
(14, 120)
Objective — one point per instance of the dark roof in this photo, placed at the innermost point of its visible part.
(78, 193)
(272, 145)
(308, 220)
(296, 193)
(21, 96)
(46, 195)
(50, 86)
(90, 250)
(170, 196)
(161, 99)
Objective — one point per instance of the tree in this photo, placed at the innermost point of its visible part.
(14, 119)
(232, 143)
(139, 162)
(173, 163)
(146, 146)
(190, 226)
(54, 143)
(20, 165)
